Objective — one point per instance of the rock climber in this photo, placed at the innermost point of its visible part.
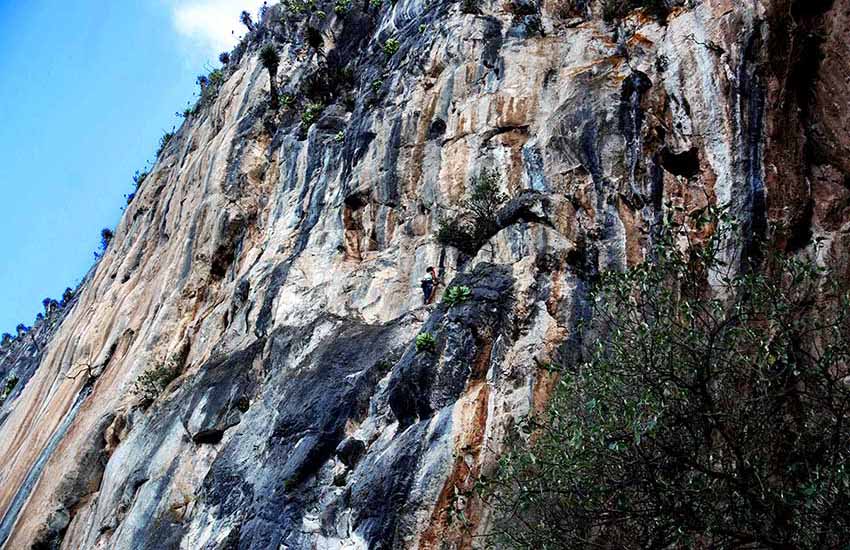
(429, 285)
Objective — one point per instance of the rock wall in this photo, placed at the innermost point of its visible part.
(275, 265)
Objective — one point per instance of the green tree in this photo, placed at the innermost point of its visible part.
(271, 61)
(476, 222)
(700, 418)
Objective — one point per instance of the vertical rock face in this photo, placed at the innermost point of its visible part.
(274, 267)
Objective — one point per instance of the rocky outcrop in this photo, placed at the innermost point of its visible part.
(270, 263)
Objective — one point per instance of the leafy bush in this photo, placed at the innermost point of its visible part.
(339, 137)
(210, 85)
(140, 176)
(8, 387)
(476, 222)
(164, 141)
(106, 236)
(50, 305)
(376, 3)
(138, 179)
(297, 7)
(456, 295)
(425, 342)
(288, 100)
(224, 58)
(67, 296)
(391, 46)
(700, 419)
(216, 77)
(153, 382)
(341, 7)
(311, 113)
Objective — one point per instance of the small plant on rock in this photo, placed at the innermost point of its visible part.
(341, 7)
(425, 342)
(457, 295)
(153, 381)
(476, 223)
(139, 177)
(391, 46)
(164, 141)
(106, 236)
(224, 58)
(311, 113)
(271, 60)
(67, 296)
(10, 384)
(287, 100)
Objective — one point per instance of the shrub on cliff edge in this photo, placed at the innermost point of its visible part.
(153, 381)
(476, 222)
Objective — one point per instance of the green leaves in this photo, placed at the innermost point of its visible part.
(700, 412)
(456, 295)
(269, 58)
(391, 46)
(311, 113)
(153, 381)
(470, 229)
(425, 342)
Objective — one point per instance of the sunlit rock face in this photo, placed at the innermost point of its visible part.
(276, 266)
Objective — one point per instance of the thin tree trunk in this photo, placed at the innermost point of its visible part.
(273, 89)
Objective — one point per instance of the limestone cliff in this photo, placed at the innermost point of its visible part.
(274, 262)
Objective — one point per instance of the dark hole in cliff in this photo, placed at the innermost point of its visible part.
(230, 238)
(685, 164)
(357, 200)
(800, 234)
(810, 8)
(208, 437)
(438, 128)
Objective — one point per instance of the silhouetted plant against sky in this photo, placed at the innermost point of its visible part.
(106, 236)
(245, 19)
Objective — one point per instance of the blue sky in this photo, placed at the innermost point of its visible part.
(86, 90)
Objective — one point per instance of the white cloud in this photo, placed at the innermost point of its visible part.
(212, 26)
